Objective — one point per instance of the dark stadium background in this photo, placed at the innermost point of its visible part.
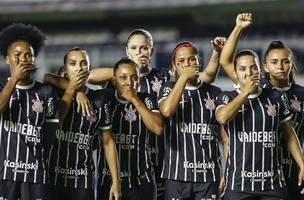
(102, 26)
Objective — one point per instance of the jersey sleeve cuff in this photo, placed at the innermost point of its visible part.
(105, 127)
(286, 119)
(161, 100)
(218, 107)
(52, 120)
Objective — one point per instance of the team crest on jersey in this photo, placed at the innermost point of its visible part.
(271, 109)
(37, 105)
(209, 104)
(156, 85)
(130, 114)
(295, 104)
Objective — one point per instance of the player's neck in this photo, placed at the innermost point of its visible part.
(143, 71)
(26, 81)
(120, 98)
(193, 83)
(279, 84)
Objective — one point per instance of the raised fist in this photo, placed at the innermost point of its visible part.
(218, 43)
(244, 20)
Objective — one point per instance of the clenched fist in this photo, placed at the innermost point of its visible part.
(244, 20)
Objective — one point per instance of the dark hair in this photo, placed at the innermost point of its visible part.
(61, 72)
(173, 73)
(277, 44)
(142, 32)
(21, 32)
(67, 53)
(183, 44)
(246, 52)
(124, 60)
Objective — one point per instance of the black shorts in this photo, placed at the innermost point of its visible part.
(23, 191)
(278, 194)
(67, 193)
(145, 191)
(180, 190)
(160, 187)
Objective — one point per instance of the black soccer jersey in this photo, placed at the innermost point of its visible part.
(132, 141)
(70, 158)
(191, 151)
(21, 132)
(295, 95)
(254, 161)
(151, 83)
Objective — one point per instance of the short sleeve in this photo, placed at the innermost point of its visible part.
(150, 102)
(52, 106)
(223, 99)
(285, 113)
(165, 90)
(106, 110)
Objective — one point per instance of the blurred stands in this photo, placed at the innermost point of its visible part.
(102, 26)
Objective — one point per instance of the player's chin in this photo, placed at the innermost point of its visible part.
(143, 66)
(281, 77)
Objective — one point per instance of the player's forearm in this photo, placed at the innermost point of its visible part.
(210, 73)
(6, 93)
(152, 120)
(228, 53)
(294, 146)
(65, 104)
(225, 141)
(100, 75)
(111, 156)
(225, 114)
(56, 80)
(169, 105)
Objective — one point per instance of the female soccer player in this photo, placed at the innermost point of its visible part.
(255, 120)
(135, 117)
(28, 117)
(140, 48)
(280, 69)
(191, 167)
(71, 166)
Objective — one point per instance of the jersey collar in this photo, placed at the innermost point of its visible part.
(283, 89)
(190, 87)
(120, 100)
(252, 96)
(25, 87)
(145, 73)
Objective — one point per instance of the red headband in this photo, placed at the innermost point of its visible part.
(180, 45)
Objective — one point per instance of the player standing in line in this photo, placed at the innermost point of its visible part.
(71, 165)
(140, 49)
(255, 120)
(280, 69)
(191, 165)
(28, 116)
(135, 117)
